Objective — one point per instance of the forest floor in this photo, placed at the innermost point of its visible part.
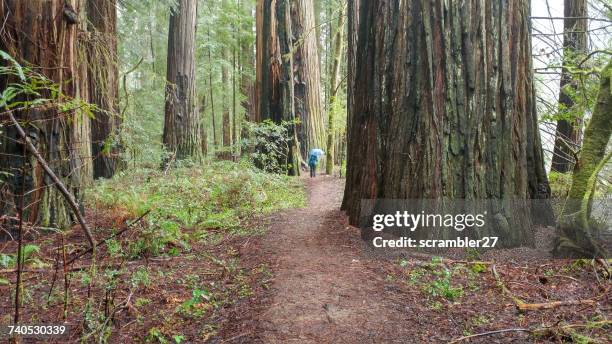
(301, 275)
(330, 286)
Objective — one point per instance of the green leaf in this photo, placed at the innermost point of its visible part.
(18, 67)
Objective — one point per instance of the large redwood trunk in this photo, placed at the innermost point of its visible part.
(182, 121)
(567, 136)
(443, 104)
(307, 79)
(62, 137)
(103, 86)
(274, 85)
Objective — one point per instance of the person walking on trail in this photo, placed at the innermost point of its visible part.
(313, 160)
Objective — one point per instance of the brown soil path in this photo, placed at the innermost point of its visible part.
(324, 291)
(329, 286)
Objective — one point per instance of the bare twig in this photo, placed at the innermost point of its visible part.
(79, 255)
(488, 333)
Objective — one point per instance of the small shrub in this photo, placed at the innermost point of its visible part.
(442, 287)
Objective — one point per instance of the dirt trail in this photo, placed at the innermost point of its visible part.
(329, 286)
(324, 290)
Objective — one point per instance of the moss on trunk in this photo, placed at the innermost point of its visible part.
(576, 228)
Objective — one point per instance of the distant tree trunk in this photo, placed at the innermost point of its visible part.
(443, 106)
(212, 99)
(268, 62)
(103, 86)
(225, 125)
(182, 122)
(234, 104)
(575, 38)
(275, 93)
(575, 220)
(247, 62)
(307, 76)
(288, 100)
(61, 137)
(333, 89)
(352, 14)
(261, 46)
(203, 132)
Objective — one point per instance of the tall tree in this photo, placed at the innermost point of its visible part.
(577, 229)
(352, 14)
(103, 85)
(567, 136)
(182, 121)
(333, 92)
(443, 105)
(225, 104)
(247, 62)
(307, 77)
(274, 85)
(212, 98)
(61, 136)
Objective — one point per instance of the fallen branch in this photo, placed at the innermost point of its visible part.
(460, 339)
(539, 331)
(67, 195)
(548, 305)
(523, 306)
(109, 237)
(505, 289)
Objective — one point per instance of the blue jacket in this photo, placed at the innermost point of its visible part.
(313, 159)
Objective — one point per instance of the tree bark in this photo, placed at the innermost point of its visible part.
(567, 136)
(225, 120)
(576, 228)
(234, 104)
(246, 61)
(352, 14)
(212, 99)
(307, 77)
(61, 137)
(261, 45)
(275, 92)
(443, 106)
(182, 122)
(333, 92)
(103, 86)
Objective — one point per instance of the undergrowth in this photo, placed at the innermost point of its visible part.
(192, 202)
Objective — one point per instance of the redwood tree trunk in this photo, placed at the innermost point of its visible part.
(61, 137)
(274, 85)
(182, 121)
(103, 86)
(225, 104)
(307, 78)
(575, 36)
(443, 105)
(333, 92)
(247, 62)
(352, 14)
